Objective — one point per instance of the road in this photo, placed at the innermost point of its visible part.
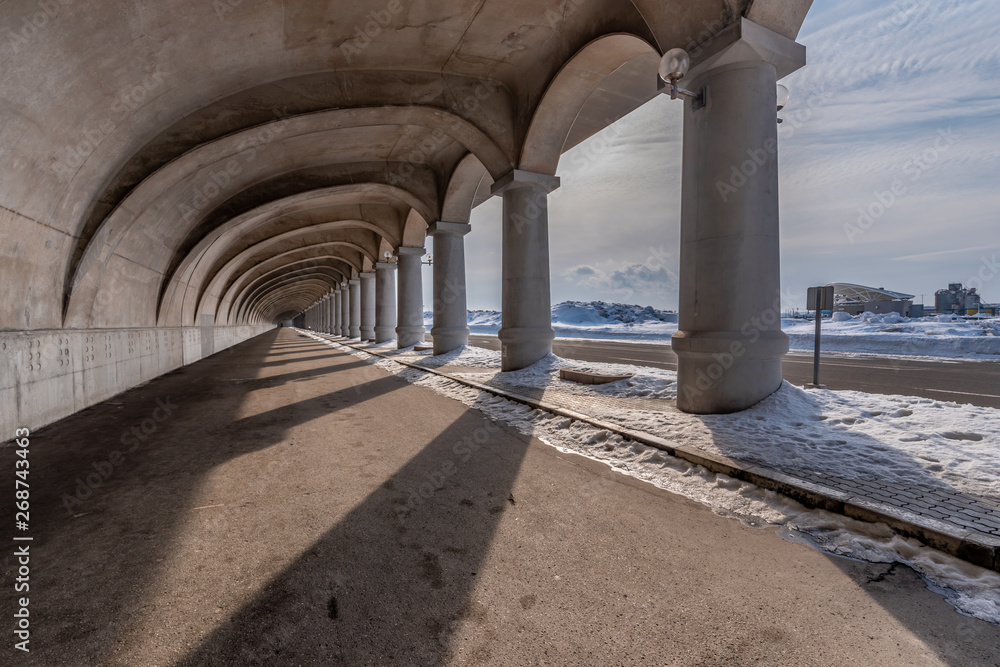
(975, 382)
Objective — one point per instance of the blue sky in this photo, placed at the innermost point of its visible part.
(900, 96)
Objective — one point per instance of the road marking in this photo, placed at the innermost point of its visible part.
(962, 393)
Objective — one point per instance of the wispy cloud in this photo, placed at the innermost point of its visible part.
(883, 81)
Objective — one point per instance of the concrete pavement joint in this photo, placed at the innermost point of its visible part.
(975, 546)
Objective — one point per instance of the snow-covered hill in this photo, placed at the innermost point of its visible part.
(593, 319)
(868, 333)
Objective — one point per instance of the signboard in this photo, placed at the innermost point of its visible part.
(825, 298)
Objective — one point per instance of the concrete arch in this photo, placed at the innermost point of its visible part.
(283, 262)
(183, 285)
(298, 296)
(214, 289)
(180, 193)
(271, 254)
(280, 296)
(215, 165)
(415, 229)
(275, 282)
(468, 179)
(278, 283)
(571, 88)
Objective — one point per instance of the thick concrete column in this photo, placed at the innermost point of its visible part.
(345, 310)
(526, 331)
(451, 313)
(410, 330)
(355, 325)
(729, 342)
(335, 328)
(385, 301)
(331, 302)
(367, 305)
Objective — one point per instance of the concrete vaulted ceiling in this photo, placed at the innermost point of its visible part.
(169, 161)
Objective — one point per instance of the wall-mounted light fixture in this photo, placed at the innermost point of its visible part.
(674, 65)
(782, 98)
(388, 256)
(430, 260)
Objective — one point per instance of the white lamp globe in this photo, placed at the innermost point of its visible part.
(674, 64)
(782, 91)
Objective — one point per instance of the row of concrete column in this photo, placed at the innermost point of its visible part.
(377, 307)
(729, 342)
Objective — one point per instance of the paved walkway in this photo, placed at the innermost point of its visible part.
(961, 524)
(284, 503)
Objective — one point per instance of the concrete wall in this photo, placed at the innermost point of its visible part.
(46, 375)
(901, 307)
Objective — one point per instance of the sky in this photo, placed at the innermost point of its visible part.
(896, 115)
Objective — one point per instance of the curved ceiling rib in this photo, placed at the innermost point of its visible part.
(139, 208)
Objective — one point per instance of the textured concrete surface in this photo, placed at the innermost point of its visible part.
(276, 518)
(47, 375)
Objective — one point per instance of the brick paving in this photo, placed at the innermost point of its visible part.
(941, 503)
(926, 508)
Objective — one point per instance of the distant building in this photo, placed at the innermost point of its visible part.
(958, 300)
(856, 299)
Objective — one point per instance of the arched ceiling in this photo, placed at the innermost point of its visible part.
(236, 159)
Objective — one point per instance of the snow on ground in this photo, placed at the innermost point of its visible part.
(891, 334)
(845, 433)
(867, 334)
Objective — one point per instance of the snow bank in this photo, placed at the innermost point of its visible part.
(589, 319)
(890, 334)
(887, 334)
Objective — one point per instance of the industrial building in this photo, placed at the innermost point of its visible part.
(857, 299)
(958, 300)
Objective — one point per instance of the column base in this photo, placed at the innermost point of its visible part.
(367, 333)
(384, 334)
(447, 339)
(726, 371)
(521, 347)
(409, 336)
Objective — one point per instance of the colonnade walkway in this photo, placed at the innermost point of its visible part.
(284, 503)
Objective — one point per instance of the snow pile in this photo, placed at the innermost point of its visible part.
(894, 439)
(882, 334)
(589, 319)
(467, 355)
(890, 334)
(646, 382)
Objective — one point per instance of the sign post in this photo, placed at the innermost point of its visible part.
(820, 299)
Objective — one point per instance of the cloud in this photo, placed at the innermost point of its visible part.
(624, 280)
